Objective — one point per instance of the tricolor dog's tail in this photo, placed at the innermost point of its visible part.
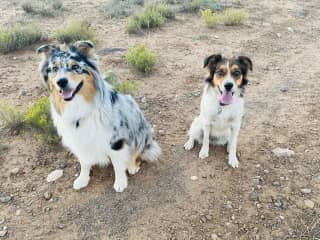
(151, 152)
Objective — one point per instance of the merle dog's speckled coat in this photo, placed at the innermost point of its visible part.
(95, 122)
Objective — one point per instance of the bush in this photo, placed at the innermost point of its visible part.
(153, 16)
(43, 8)
(142, 58)
(116, 8)
(19, 36)
(11, 117)
(3, 148)
(228, 18)
(127, 87)
(38, 118)
(234, 16)
(75, 31)
(196, 5)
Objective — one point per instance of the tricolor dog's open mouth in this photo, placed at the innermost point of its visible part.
(226, 97)
(68, 94)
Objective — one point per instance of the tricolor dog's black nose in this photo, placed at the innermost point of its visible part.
(62, 82)
(228, 86)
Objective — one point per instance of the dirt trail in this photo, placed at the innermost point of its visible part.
(260, 200)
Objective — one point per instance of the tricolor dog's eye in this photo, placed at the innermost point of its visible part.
(75, 67)
(220, 73)
(54, 69)
(236, 74)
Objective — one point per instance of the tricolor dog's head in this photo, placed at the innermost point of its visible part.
(228, 76)
(69, 72)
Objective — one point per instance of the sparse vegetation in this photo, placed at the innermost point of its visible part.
(142, 58)
(43, 8)
(229, 17)
(38, 118)
(3, 147)
(154, 15)
(11, 117)
(18, 36)
(124, 8)
(196, 5)
(127, 87)
(75, 31)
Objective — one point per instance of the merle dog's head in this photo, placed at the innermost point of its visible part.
(69, 71)
(229, 76)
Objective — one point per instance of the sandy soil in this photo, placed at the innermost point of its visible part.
(260, 200)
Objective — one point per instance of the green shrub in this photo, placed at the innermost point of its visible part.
(38, 118)
(116, 8)
(127, 87)
(141, 58)
(11, 117)
(19, 36)
(43, 8)
(75, 31)
(152, 16)
(234, 16)
(228, 18)
(196, 5)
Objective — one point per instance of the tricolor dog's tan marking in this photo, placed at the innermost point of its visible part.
(222, 105)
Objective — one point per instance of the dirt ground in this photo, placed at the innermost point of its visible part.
(260, 200)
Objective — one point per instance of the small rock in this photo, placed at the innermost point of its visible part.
(228, 205)
(2, 220)
(257, 237)
(144, 100)
(253, 196)
(3, 233)
(290, 29)
(279, 35)
(54, 175)
(214, 236)
(282, 152)
(5, 199)
(305, 190)
(161, 132)
(309, 203)
(23, 93)
(47, 195)
(18, 212)
(281, 217)
(196, 93)
(194, 178)
(14, 171)
(276, 183)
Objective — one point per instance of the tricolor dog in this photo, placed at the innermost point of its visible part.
(95, 122)
(222, 106)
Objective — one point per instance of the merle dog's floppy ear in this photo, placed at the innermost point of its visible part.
(246, 61)
(212, 60)
(84, 47)
(46, 49)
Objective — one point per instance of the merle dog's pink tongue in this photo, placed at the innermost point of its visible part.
(67, 94)
(226, 98)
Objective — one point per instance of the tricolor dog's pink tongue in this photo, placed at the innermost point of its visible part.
(226, 98)
(67, 94)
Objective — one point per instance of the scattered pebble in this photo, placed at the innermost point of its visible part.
(276, 183)
(2, 220)
(54, 175)
(309, 203)
(279, 35)
(305, 190)
(47, 195)
(5, 199)
(290, 29)
(22, 93)
(14, 171)
(161, 132)
(214, 236)
(282, 152)
(3, 233)
(18, 212)
(253, 196)
(144, 100)
(228, 205)
(194, 178)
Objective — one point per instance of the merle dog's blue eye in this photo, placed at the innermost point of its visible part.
(75, 67)
(54, 69)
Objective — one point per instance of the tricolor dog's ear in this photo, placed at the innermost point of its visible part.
(246, 62)
(212, 61)
(86, 48)
(46, 50)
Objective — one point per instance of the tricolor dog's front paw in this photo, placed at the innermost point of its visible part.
(80, 182)
(120, 184)
(204, 153)
(233, 161)
(189, 145)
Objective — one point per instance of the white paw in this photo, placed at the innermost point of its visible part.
(233, 162)
(120, 184)
(133, 169)
(80, 182)
(204, 153)
(189, 145)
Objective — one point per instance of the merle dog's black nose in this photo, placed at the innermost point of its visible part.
(62, 82)
(228, 86)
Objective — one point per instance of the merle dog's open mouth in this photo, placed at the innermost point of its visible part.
(68, 94)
